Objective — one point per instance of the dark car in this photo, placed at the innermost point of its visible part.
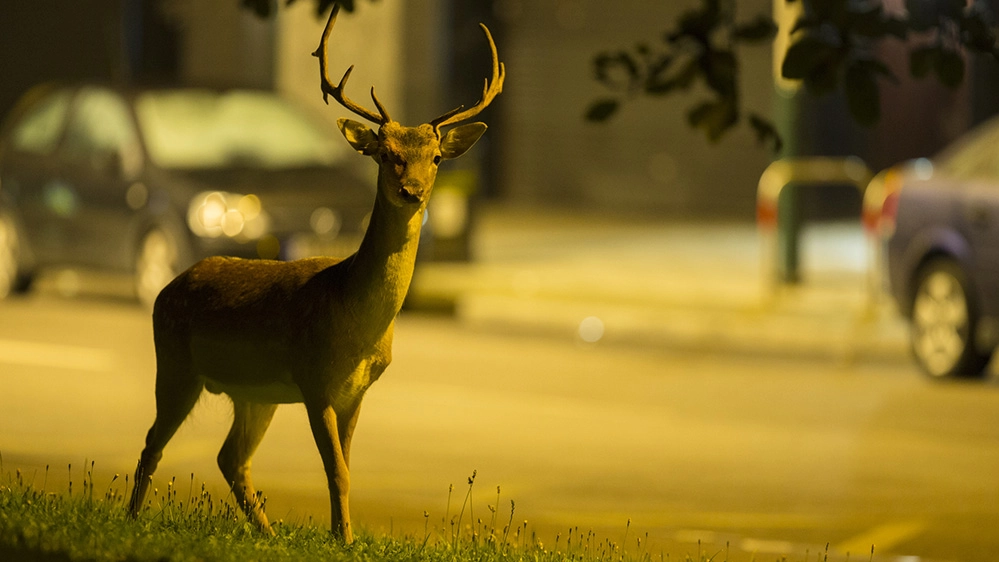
(943, 257)
(148, 182)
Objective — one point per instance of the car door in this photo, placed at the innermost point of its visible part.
(30, 167)
(979, 216)
(103, 159)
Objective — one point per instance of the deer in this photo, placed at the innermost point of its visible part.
(316, 331)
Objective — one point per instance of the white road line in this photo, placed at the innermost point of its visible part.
(882, 537)
(766, 546)
(37, 354)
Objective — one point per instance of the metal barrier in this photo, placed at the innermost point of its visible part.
(801, 172)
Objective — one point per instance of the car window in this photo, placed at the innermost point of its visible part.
(976, 156)
(38, 130)
(198, 129)
(100, 130)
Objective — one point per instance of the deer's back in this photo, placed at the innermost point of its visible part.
(239, 322)
(222, 289)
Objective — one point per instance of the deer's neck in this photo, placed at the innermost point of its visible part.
(379, 274)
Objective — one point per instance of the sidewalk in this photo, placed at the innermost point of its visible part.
(672, 285)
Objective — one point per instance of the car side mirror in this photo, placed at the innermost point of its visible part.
(118, 164)
(110, 164)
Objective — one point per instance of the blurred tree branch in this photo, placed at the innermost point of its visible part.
(266, 8)
(832, 46)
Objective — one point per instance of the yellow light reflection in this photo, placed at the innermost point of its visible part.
(591, 329)
(249, 206)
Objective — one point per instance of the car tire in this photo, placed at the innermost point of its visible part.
(156, 264)
(13, 278)
(944, 322)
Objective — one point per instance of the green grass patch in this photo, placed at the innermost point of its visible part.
(185, 523)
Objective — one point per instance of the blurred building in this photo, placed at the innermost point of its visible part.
(424, 56)
(427, 56)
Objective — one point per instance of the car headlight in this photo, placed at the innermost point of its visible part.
(212, 214)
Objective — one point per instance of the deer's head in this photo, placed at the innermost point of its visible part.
(407, 157)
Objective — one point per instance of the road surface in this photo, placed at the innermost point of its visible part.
(772, 456)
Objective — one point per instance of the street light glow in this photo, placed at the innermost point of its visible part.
(591, 329)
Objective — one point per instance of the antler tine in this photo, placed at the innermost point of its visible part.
(326, 85)
(378, 104)
(490, 90)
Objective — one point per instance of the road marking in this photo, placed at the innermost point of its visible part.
(882, 537)
(38, 354)
(765, 546)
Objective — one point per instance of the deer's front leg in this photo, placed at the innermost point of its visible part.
(323, 420)
(346, 423)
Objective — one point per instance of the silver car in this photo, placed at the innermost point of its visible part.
(148, 182)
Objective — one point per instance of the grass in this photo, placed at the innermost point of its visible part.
(185, 523)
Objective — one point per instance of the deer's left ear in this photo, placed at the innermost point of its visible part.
(459, 139)
(360, 137)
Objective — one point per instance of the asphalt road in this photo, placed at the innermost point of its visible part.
(772, 456)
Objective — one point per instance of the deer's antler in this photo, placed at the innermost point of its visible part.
(326, 84)
(490, 90)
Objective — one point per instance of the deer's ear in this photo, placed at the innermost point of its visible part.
(459, 139)
(360, 137)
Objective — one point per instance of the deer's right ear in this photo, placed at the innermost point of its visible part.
(360, 137)
(459, 139)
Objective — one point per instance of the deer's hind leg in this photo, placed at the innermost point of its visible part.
(177, 391)
(250, 421)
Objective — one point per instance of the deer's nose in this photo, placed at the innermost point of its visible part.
(410, 193)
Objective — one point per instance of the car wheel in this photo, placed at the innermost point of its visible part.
(944, 319)
(155, 265)
(12, 278)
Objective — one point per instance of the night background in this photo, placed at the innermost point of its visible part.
(597, 324)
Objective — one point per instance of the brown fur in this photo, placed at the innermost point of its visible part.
(317, 330)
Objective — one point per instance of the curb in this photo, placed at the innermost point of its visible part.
(786, 328)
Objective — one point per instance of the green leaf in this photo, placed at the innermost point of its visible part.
(950, 68)
(701, 23)
(617, 71)
(657, 81)
(322, 6)
(815, 61)
(825, 78)
(700, 113)
(877, 67)
(601, 110)
(262, 8)
(720, 71)
(714, 118)
(952, 9)
(867, 20)
(805, 22)
(685, 78)
(897, 28)
(977, 31)
(806, 55)
(762, 28)
(766, 132)
(922, 15)
(922, 60)
(863, 97)
(833, 11)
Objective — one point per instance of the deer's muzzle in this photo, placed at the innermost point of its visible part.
(411, 194)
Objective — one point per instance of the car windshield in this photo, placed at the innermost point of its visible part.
(200, 129)
(974, 155)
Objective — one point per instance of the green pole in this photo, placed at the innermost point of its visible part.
(786, 110)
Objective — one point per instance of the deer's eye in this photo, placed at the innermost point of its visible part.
(437, 159)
